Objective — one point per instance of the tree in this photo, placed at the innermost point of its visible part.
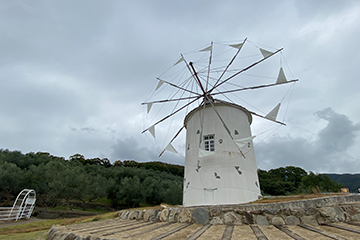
(130, 191)
(67, 183)
(10, 178)
(118, 163)
(322, 181)
(281, 181)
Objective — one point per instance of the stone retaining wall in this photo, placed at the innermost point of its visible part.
(311, 211)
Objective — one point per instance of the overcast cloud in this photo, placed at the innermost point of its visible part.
(73, 75)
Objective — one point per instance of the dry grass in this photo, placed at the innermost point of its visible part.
(47, 224)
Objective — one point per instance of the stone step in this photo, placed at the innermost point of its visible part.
(135, 229)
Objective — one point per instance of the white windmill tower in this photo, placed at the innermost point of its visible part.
(220, 164)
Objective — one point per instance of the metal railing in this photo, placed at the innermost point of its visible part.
(22, 207)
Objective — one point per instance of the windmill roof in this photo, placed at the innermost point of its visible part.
(218, 103)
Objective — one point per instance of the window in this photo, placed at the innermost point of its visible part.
(209, 143)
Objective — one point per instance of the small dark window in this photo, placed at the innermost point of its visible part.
(236, 132)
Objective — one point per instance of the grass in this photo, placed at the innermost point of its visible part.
(79, 209)
(38, 235)
(38, 230)
(47, 224)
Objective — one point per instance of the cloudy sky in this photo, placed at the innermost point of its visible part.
(73, 75)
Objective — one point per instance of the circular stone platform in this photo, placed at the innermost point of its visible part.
(321, 218)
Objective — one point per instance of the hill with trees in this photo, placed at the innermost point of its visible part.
(129, 183)
(54, 179)
(351, 181)
(294, 180)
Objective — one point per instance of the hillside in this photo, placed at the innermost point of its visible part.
(351, 181)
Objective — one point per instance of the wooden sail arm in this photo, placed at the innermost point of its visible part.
(244, 69)
(173, 139)
(255, 87)
(232, 60)
(169, 100)
(178, 110)
(208, 73)
(193, 73)
(258, 115)
(176, 86)
(196, 77)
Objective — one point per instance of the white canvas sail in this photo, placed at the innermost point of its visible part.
(238, 46)
(149, 105)
(170, 148)
(265, 53)
(206, 49)
(273, 113)
(203, 153)
(281, 77)
(161, 82)
(152, 130)
(243, 141)
(179, 61)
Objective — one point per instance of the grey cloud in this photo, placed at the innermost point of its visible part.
(130, 149)
(72, 65)
(339, 134)
(327, 153)
(88, 129)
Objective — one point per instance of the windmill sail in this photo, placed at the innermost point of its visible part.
(238, 46)
(149, 105)
(281, 77)
(265, 53)
(206, 49)
(203, 153)
(170, 148)
(161, 82)
(152, 130)
(179, 61)
(243, 141)
(273, 113)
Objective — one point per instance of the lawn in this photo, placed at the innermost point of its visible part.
(38, 230)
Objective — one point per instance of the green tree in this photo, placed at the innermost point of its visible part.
(322, 181)
(130, 191)
(11, 177)
(67, 183)
(281, 181)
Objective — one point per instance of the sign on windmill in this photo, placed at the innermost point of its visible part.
(220, 164)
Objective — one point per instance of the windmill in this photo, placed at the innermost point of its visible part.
(220, 164)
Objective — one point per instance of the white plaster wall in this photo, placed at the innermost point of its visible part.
(202, 187)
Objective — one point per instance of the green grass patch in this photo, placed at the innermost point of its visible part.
(38, 235)
(79, 209)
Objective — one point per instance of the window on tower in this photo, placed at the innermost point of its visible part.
(209, 143)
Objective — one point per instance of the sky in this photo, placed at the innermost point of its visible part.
(73, 75)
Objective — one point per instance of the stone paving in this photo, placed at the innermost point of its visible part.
(334, 217)
(137, 229)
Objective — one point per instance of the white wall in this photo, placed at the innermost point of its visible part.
(202, 187)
